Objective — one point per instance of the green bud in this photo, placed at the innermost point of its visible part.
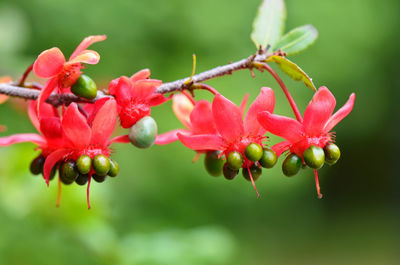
(213, 164)
(82, 179)
(332, 153)
(68, 172)
(84, 164)
(53, 172)
(85, 87)
(37, 164)
(114, 168)
(229, 173)
(268, 159)
(255, 172)
(98, 178)
(253, 152)
(143, 133)
(101, 165)
(235, 160)
(291, 165)
(314, 157)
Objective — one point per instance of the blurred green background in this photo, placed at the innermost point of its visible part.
(162, 209)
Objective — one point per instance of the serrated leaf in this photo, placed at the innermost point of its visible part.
(269, 23)
(297, 40)
(292, 70)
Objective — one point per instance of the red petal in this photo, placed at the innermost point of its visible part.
(202, 142)
(169, 137)
(92, 109)
(318, 111)
(123, 90)
(202, 119)
(112, 86)
(33, 114)
(284, 127)
(22, 138)
(75, 126)
(44, 94)
(144, 88)
(264, 102)
(87, 56)
(51, 160)
(243, 105)
(228, 118)
(86, 43)
(49, 63)
(119, 139)
(157, 99)
(340, 114)
(281, 147)
(51, 127)
(104, 123)
(182, 107)
(3, 98)
(142, 74)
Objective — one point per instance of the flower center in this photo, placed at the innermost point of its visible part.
(69, 75)
(320, 141)
(240, 145)
(132, 112)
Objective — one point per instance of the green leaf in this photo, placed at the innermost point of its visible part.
(269, 23)
(292, 70)
(297, 40)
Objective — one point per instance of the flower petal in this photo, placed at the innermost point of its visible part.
(318, 111)
(202, 141)
(202, 118)
(123, 90)
(284, 127)
(92, 109)
(51, 127)
(227, 117)
(142, 89)
(86, 43)
(124, 139)
(104, 123)
(22, 138)
(157, 99)
(265, 101)
(75, 127)
(49, 63)
(281, 147)
(142, 74)
(86, 56)
(340, 114)
(3, 98)
(51, 160)
(169, 137)
(44, 94)
(182, 107)
(243, 104)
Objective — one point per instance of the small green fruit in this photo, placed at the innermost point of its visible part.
(82, 179)
(291, 165)
(213, 164)
(255, 172)
(114, 168)
(36, 166)
(143, 133)
(85, 87)
(84, 164)
(101, 165)
(98, 178)
(229, 173)
(332, 153)
(68, 172)
(235, 160)
(268, 159)
(314, 157)
(253, 152)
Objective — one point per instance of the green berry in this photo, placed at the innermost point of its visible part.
(53, 172)
(82, 179)
(85, 87)
(332, 153)
(291, 165)
(143, 133)
(235, 160)
(84, 164)
(253, 152)
(255, 172)
(101, 165)
(36, 166)
(268, 159)
(114, 168)
(98, 178)
(213, 164)
(68, 172)
(314, 157)
(229, 173)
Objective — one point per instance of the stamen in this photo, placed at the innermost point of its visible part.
(196, 157)
(252, 182)
(317, 184)
(59, 193)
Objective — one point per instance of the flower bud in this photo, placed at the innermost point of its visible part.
(114, 168)
(84, 164)
(268, 159)
(85, 87)
(314, 157)
(37, 164)
(332, 153)
(213, 164)
(101, 165)
(235, 160)
(291, 165)
(229, 173)
(143, 133)
(255, 171)
(253, 152)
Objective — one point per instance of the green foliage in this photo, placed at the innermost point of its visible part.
(297, 40)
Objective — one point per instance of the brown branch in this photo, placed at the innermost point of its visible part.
(14, 90)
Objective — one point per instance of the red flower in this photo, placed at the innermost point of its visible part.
(135, 96)
(317, 123)
(233, 134)
(63, 74)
